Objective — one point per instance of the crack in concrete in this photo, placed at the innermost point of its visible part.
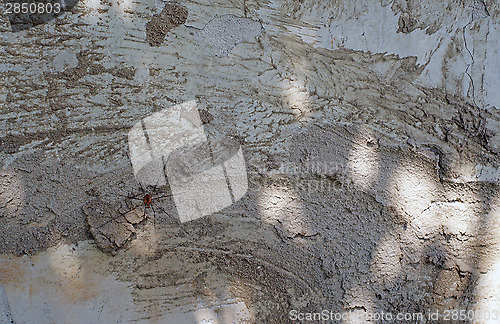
(469, 66)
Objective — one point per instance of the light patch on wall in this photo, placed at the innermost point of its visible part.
(222, 34)
(412, 189)
(359, 300)
(457, 218)
(141, 74)
(122, 8)
(224, 314)
(205, 175)
(92, 4)
(12, 193)
(280, 206)
(472, 172)
(296, 96)
(147, 241)
(452, 217)
(92, 15)
(67, 269)
(60, 287)
(65, 59)
(363, 161)
(487, 294)
(386, 262)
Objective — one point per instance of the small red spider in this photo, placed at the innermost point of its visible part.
(148, 201)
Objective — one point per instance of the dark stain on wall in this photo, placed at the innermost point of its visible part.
(157, 28)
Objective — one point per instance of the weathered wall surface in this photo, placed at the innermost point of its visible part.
(370, 131)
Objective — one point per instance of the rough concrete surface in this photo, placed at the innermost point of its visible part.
(370, 132)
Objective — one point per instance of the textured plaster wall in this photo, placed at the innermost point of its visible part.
(370, 131)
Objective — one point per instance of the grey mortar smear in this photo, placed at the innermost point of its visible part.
(223, 33)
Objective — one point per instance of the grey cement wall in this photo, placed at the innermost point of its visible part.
(370, 132)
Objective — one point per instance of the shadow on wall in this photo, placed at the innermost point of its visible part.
(324, 238)
(393, 240)
(379, 227)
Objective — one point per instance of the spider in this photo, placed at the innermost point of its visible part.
(148, 199)
(149, 202)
